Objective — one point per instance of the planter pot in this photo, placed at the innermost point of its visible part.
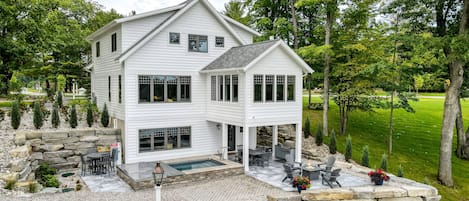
(379, 182)
(299, 188)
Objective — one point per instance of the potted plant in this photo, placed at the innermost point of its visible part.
(301, 183)
(378, 176)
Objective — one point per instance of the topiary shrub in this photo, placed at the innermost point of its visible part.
(384, 162)
(365, 161)
(307, 128)
(38, 116)
(348, 148)
(60, 99)
(55, 119)
(319, 136)
(73, 117)
(89, 115)
(332, 143)
(400, 171)
(105, 116)
(15, 115)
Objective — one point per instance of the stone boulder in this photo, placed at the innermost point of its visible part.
(58, 154)
(55, 135)
(20, 152)
(89, 139)
(51, 147)
(81, 133)
(33, 135)
(18, 164)
(55, 160)
(9, 176)
(36, 156)
(20, 138)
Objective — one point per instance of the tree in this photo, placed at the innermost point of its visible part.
(105, 116)
(319, 137)
(38, 116)
(348, 148)
(73, 117)
(61, 80)
(14, 85)
(59, 99)
(332, 143)
(365, 161)
(55, 119)
(15, 115)
(418, 83)
(384, 162)
(235, 9)
(89, 114)
(307, 128)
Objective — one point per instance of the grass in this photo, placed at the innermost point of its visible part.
(416, 141)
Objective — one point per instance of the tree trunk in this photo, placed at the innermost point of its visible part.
(342, 114)
(456, 72)
(391, 113)
(326, 73)
(309, 90)
(295, 24)
(461, 137)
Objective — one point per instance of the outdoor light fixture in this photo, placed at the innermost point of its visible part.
(218, 126)
(158, 173)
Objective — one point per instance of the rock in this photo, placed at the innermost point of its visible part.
(33, 135)
(81, 152)
(89, 139)
(55, 135)
(24, 174)
(36, 156)
(389, 192)
(80, 133)
(402, 199)
(106, 142)
(58, 154)
(86, 145)
(283, 198)
(329, 194)
(31, 176)
(433, 198)
(51, 147)
(75, 159)
(65, 165)
(414, 191)
(55, 160)
(70, 140)
(34, 142)
(53, 141)
(9, 176)
(72, 146)
(20, 138)
(50, 190)
(18, 165)
(20, 152)
(289, 144)
(24, 185)
(108, 132)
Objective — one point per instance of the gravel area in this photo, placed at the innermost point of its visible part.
(235, 188)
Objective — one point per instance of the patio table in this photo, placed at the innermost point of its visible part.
(254, 154)
(95, 159)
(311, 172)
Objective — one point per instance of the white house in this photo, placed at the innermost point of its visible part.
(187, 81)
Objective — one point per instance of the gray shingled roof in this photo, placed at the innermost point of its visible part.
(239, 57)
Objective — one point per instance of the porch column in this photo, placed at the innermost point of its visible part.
(224, 141)
(246, 148)
(252, 137)
(298, 142)
(274, 139)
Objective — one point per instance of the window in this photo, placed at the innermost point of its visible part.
(219, 42)
(164, 88)
(114, 42)
(213, 88)
(174, 38)
(258, 79)
(97, 49)
(164, 139)
(227, 87)
(220, 84)
(235, 87)
(198, 43)
(269, 88)
(109, 87)
(120, 89)
(291, 87)
(280, 87)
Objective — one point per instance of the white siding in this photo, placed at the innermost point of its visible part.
(272, 113)
(245, 35)
(158, 57)
(104, 66)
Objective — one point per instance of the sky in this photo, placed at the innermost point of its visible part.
(126, 6)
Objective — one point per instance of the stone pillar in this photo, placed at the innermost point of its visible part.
(298, 142)
(246, 131)
(224, 141)
(274, 139)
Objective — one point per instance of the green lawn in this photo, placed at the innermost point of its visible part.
(416, 141)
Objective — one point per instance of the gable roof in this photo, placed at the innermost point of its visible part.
(244, 57)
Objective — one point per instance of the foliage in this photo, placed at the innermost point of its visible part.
(15, 115)
(78, 186)
(59, 99)
(14, 84)
(365, 161)
(400, 171)
(10, 184)
(89, 115)
(378, 174)
(332, 143)
(55, 116)
(73, 117)
(51, 181)
(61, 83)
(38, 119)
(105, 117)
(384, 162)
(319, 136)
(348, 148)
(307, 128)
(236, 10)
(304, 182)
(32, 187)
(43, 170)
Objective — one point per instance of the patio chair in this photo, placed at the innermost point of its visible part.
(328, 165)
(114, 154)
(240, 155)
(261, 161)
(85, 165)
(331, 177)
(291, 171)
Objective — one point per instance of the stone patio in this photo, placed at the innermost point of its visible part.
(106, 183)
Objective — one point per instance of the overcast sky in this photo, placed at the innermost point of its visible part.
(126, 6)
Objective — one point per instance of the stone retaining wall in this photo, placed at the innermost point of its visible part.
(286, 135)
(60, 149)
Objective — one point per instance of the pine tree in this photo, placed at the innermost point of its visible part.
(365, 161)
(332, 143)
(306, 129)
(15, 115)
(38, 116)
(89, 115)
(105, 117)
(319, 136)
(73, 117)
(60, 99)
(348, 148)
(384, 162)
(400, 171)
(55, 119)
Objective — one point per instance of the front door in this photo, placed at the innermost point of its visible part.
(231, 138)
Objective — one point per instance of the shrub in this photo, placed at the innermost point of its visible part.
(60, 99)
(307, 128)
(32, 187)
(400, 171)
(348, 148)
(365, 161)
(51, 181)
(89, 115)
(105, 117)
(43, 170)
(79, 186)
(384, 162)
(15, 115)
(55, 116)
(73, 117)
(38, 116)
(319, 136)
(332, 143)
(10, 184)
(61, 83)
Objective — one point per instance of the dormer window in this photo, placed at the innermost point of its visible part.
(174, 38)
(198, 43)
(219, 42)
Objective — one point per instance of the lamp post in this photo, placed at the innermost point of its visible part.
(158, 173)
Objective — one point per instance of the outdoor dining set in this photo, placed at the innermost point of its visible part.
(98, 163)
(259, 156)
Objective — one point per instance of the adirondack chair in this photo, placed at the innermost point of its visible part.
(328, 165)
(291, 171)
(330, 177)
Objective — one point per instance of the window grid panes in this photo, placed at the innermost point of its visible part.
(98, 49)
(174, 38)
(120, 88)
(213, 81)
(219, 42)
(235, 87)
(185, 94)
(291, 87)
(220, 88)
(109, 88)
(144, 88)
(258, 81)
(164, 88)
(164, 139)
(114, 42)
(198, 43)
(280, 87)
(227, 88)
(269, 88)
